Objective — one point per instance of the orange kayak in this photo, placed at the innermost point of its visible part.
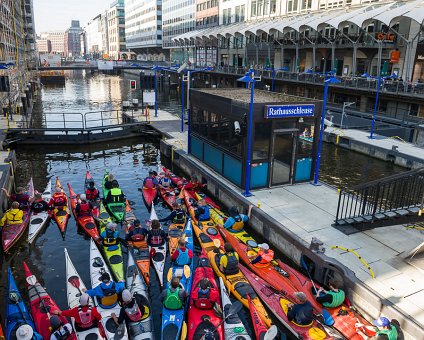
(258, 324)
(139, 249)
(175, 231)
(61, 214)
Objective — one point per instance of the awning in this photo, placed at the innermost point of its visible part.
(416, 13)
(318, 21)
(336, 21)
(396, 10)
(296, 24)
(368, 15)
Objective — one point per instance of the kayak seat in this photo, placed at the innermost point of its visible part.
(233, 318)
(141, 254)
(252, 244)
(170, 331)
(115, 259)
(90, 225)
(61, 213)
(111, 326)
(204, 262)
(212, 231)
(98, 262)
(143, 304)
(243, 288)
(37, 220)
(158, 257)
(104, 215)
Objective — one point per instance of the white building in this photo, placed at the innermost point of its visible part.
(57, 39)
(94, 37)
(116, 29)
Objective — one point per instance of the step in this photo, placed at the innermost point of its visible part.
(402, 212)
(380, 216)
(414, 210)
(368, 218)
(390, 214)
(359, 219)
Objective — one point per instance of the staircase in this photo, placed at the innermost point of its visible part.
(397, 199)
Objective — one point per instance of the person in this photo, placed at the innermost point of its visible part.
(115, 194)
(106, 292)
(60, 330)
(91, 192)
(21, 197)
(306, 133)
(264, 256)
(39, 205)
(202, 212)
(164, 181)
(12, 216)
(136, 232)
(156, 237)
(333, 297)
(174, 297)
(132, 309)
(26, 332)
(110, 180)
(228, 262)
(85, 316)
(194, 184)
(177, 214)
(182, 255)
(110, 236)
(59, 198)
(83, 208)
(383, 327)
(302, 312)
(150, 181)
(235, 222)
(205, 296)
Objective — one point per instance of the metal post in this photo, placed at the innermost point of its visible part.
(247, 192)
(188, 112)
(321, 131)
(156, 94)
(182, 101)
(273, 80)
(374, 116)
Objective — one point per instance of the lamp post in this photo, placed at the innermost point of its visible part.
(248, 79)
(156, 92)
(330, 80)
(345, 104)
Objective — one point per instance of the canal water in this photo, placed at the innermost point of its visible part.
(129, 161)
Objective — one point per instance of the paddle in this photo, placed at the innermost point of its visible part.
(184, 331)
(120, 332)
(234, 309)
(14, 297)
(32, 280)
(271, 333)
(75, 282)
(217, 243)
(187, 271)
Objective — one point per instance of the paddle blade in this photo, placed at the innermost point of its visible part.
(271, 333)
(32, 280)
(187, 271)
(217, 243)
(169, 276)
(235, 308)
(184, 331)
(120, 332)
(74, 281)
(328, 319)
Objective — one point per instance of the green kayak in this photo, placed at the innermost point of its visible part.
(115, 209)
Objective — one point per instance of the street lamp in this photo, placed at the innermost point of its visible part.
(331, 80)
(345, 104)
(248, 79)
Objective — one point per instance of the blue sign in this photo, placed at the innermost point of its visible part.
(282, 111)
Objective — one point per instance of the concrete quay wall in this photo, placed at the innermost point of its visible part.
(368, 302)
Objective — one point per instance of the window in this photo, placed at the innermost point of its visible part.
(237, 16)
(261, 140)
(266, 7)
(242, 10)
(260, 7)
(253, 8)
(413, 111)
(292, 5)
(306, 4)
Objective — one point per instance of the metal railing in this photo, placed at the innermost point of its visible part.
(396, 193)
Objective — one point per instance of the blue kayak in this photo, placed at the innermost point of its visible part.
(16, 312)
(173, 320)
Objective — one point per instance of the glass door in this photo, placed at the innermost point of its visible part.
(281, 158)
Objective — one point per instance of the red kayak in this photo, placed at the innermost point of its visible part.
(149, 195)
(177, 181)
(168, 195)
(13, 232)
(95, 203)
(258, 324)
(86, 222)
(203, 320)
(61, 214)
(42, 305)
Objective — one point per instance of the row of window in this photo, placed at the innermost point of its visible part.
(239, 15)
(179, 18)
(206, 5)
(264, 7)
(168, 8)
(145, 11)
(145, 38)
(207, 21)
(152, 18)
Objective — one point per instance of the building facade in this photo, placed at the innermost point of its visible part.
(44, 45)
(94, 38)
(207, 13)
(143, 29)
(72, 46)
(57, 41)
(116, 29)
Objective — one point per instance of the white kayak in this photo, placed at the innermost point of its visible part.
(233, 327)
(143, 329)
(159, 253)
(97, 268)
(74, 287)
(39, 220)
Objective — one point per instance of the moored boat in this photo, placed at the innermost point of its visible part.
(94, 202)
(149, 196)
(115, 209)
(39, 220)
(157, 254)
(61, 214)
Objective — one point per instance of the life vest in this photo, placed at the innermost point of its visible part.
(148, 183)
(92, 194)
(59, 199)
(165, 182)
(238, 223)
(84, 208)
(205, 215)
(38, 206)
(62, 334)
(183, 257)
(22, 199)
(172, 300)
(134, 313)
(13, 216)
(338, 298)
(180, 216)
(116, 194)
(110, 239)
(391, 333)
(202, 301)
(156, 240)
(266, 258)
(232, 264)
(110, 298)
(86, 318)
(137, 234)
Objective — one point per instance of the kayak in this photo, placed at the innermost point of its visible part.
(42, 305)
(157, 254)
(168, 195)
(86, 222)
(114, 258)
(116, 210)
(197, 325)
(188, 234)
(278, 304)
(197, 195)
(175, 231)
(238, 285)
(138, 249)
(176, 180)
(173, 319)
(95, 203)
(97, 268)
(233, 327)
(13, 232)
(16, 312)
(74, 287)
(61, 214)
(206, 231)
(104, 217)
(149, 196)
(142, 329)
(38, 220)
(273, 275)
(1, 333)
(258, 324)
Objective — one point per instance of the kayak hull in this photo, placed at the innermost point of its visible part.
(13, 232)
(61, 214)
(149, 196)
(168, 195)
(116, 210)
(96, 203)
(114, 258)
(258, 324)
(175, 231)
(39, 220)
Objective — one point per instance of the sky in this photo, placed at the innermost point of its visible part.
(53, 15)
